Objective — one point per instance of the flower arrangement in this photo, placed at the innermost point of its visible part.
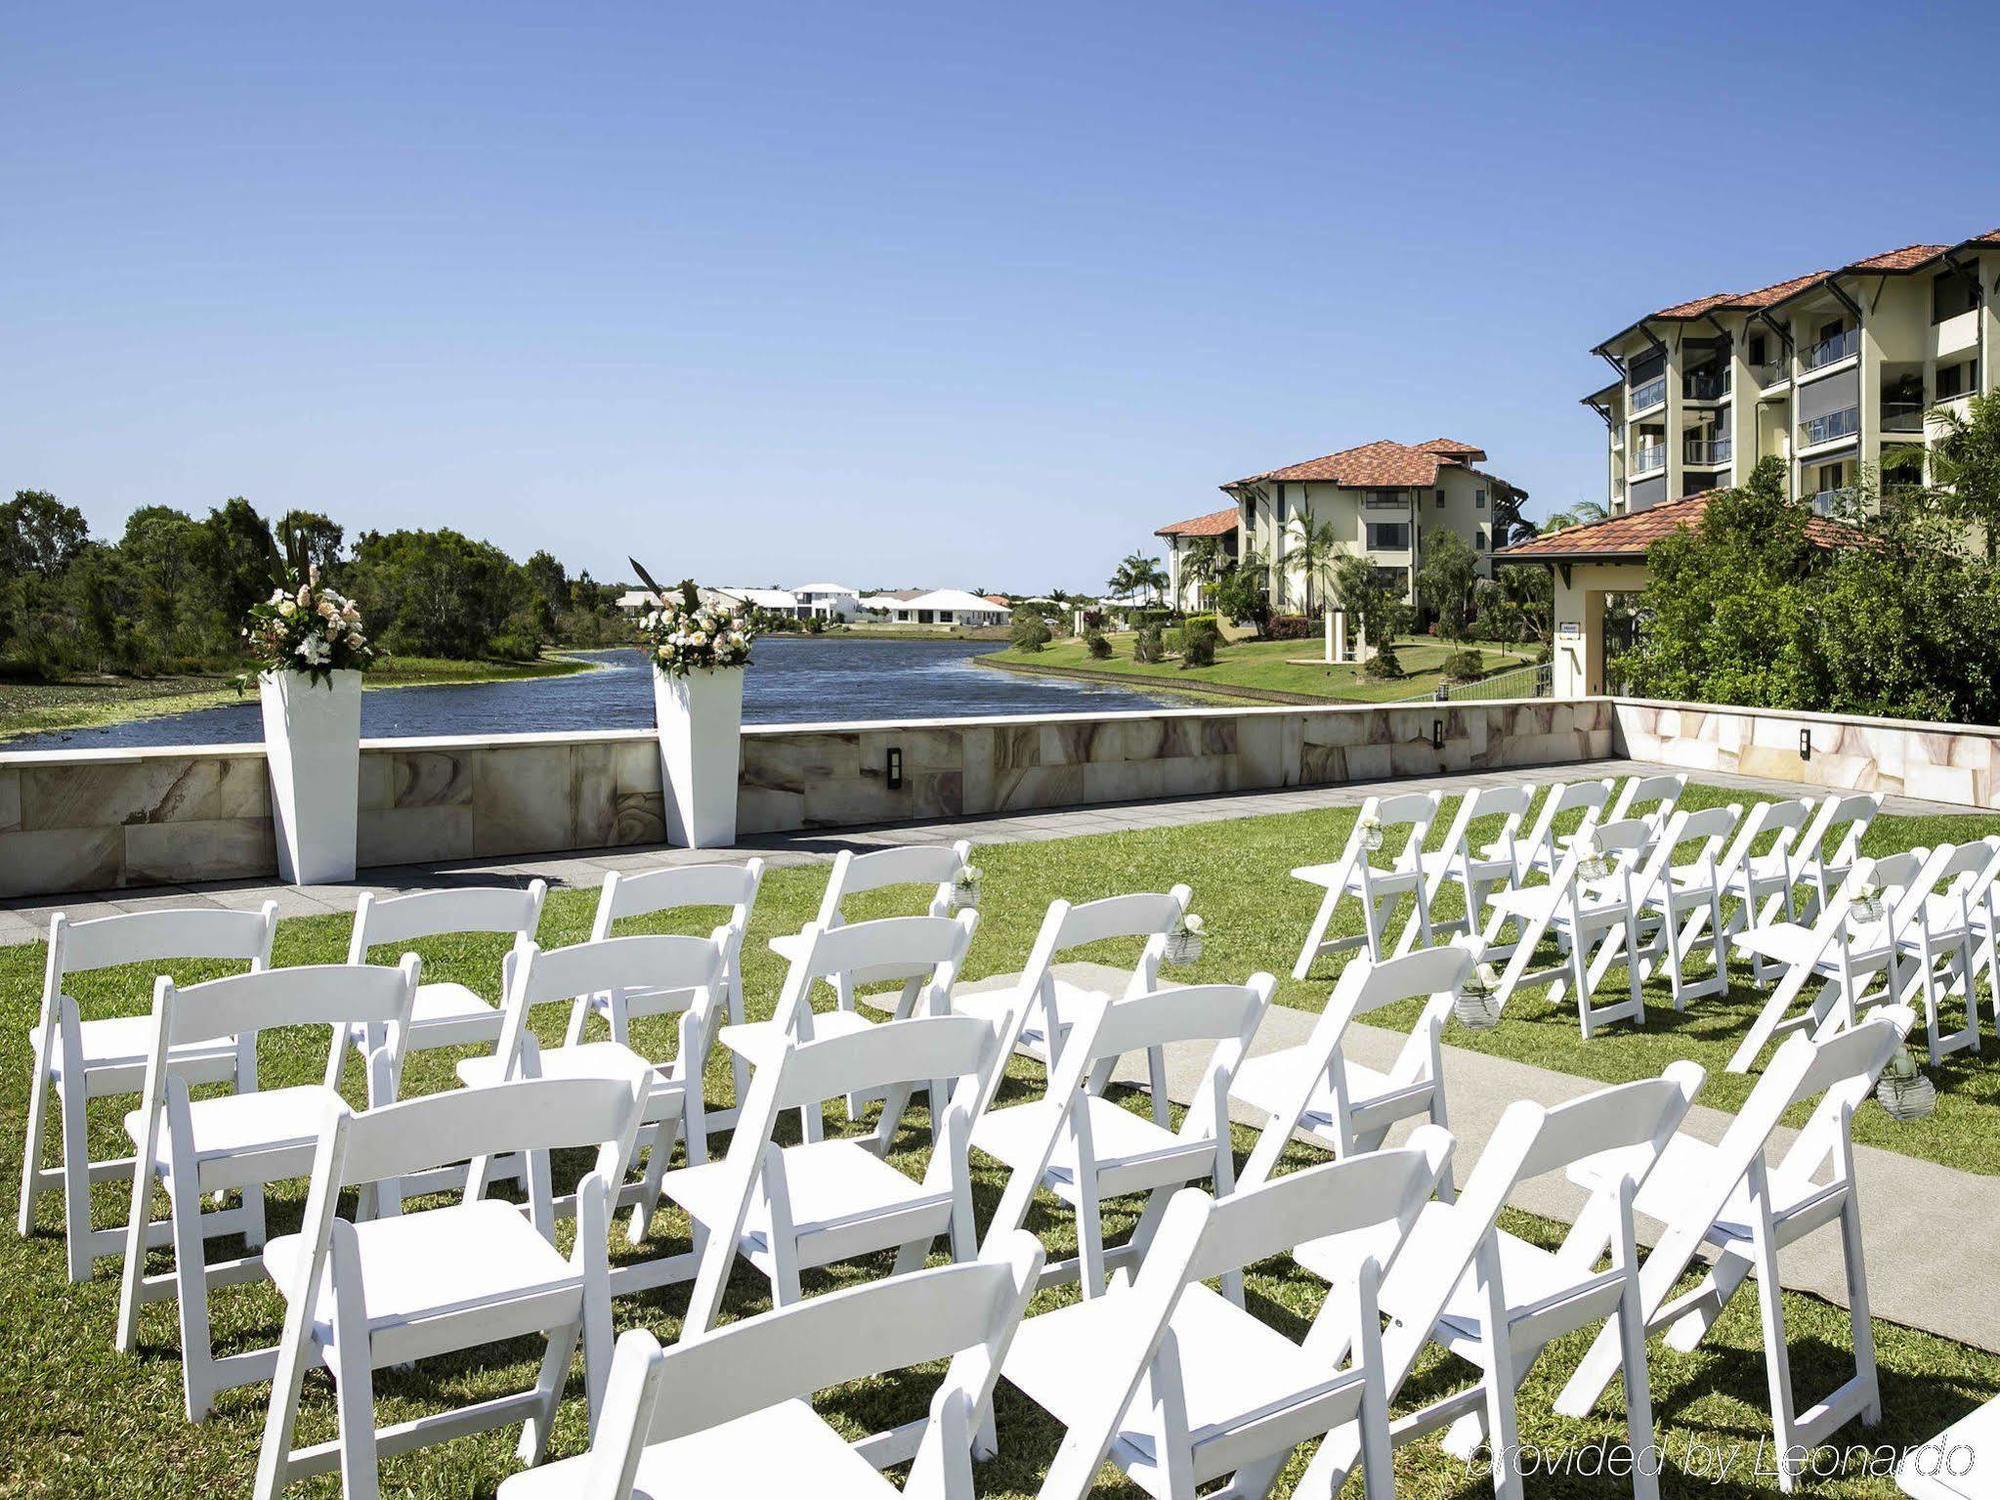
(1475, 1005)
(1184, 943)
(1595, 863)
(1371, 833)
(1868, 905)
(684, 635)
(307, 627)
(1905, 1090)
(965, 889)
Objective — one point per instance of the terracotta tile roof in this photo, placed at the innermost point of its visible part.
(1776, 292)
(999, 599)
(1384, 465)
(1695, 308)
(1215, 523)
(1453, 448)
(1630, 535)
(1906, 259)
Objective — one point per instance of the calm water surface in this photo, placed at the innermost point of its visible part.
(795, 680)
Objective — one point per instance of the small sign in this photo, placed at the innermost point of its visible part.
(1570, 629)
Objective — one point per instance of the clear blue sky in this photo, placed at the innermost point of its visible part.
(924, 293)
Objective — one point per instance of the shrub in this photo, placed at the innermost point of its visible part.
(1199, 638)
(1464, 666)
(514, 645)
(1098, 645)
(1290, 628)
(1150, 645)
(1383, 666)
(1031, 631)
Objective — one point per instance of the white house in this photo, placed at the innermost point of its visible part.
(771, 601)
(938, 607)
(832, 601)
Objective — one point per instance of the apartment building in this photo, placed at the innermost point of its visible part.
(1184, 591)
(1825, 371)
(1380, 499)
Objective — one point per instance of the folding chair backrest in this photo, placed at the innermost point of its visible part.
(403, 919)
(160, 936)
(532, 1114)
(1143, 914)
(913, 1051)
(641, 893)
(301, 995)
(1856, 810)
(1901, 878)
(886, 945)
(1186, 1013)
(1360, 1193)
(1414, 810)
(1963, 865)
(1709, 827)
(1641, 791)
(934, 865)
(1366, 986)
(664, 961)
(1613, 1119)
(1590, 798)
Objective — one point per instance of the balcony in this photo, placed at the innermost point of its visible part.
(1711, 453)
(1706, 385)
(1830, 428)
(1777, 373)
(1645, 397)
(1831, 502)
(1646, 460)
(1903, 416)
(1830, 351)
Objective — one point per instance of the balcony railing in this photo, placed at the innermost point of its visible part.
(1651, 394)
(1775, 373)
(1645, 460)
(1711, 453)
(1706, 385)
(1903, 416)
(1831, 351)
(1831, 502)
(1826, 429)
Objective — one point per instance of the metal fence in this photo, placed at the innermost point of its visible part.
(1522, 682)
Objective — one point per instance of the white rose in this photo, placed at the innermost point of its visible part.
(1191, 922)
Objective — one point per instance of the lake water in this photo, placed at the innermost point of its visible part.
(796, 679)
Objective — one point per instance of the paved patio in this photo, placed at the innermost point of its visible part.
(25, 919)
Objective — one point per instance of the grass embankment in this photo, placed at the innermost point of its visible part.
(89, 1422)
(35, 707)
(1256, 671)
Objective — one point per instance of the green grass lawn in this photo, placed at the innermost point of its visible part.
(35, 707)
(88, 1422)
(1279, 669)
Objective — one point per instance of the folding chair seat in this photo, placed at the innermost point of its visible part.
(446, 1013)
(1354, 876)
(727, 1414)
(676, 971)
(197, 1148)
(787, 1209)
(75, 1060)
(1084, 1147)
(406, 1287)
(1730, 1197)
(1041, 1001)
(625, 895)
(1515, 1298)
(1316, 1088)
(1180, 1386)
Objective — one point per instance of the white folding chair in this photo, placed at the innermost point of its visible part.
(1676, 893)
(1084, 1147)
(1653, 798)
(1316, 1088)
(195, 1148)
(1757, 881)
(1455, 862)
(1843, 953)
(1730, 1197)
(787, 1209)
(936, 867)
(1596, 921)
(1179, 1386)
(75, 1060)
(406, 1287)
(727, 1414)
(1947, 931)
(1501, 1302)
(1355, 876)
(1544, 846)
(672, 971)
(446, 1014)
(1842, 820)
(1038, 1004)
(625, 895)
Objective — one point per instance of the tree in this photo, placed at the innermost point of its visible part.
(310, 538)
(1965, 462)
(1375, 603)
(1314, 546)
(167, 553)
(239, 557)
(1445, 581)
(548, 586)
(1580, 514)
(1242, 593)
(39, 534)
(1524, 598)
(1202, 561)
(435, 593)
(1138, 574)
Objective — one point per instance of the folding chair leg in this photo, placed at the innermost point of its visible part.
(548, 1391)
(1503, 1436)
(1316, 935)
(191, 1293)
(657, 1156)
(1859, 1315)
(1638, 1383)
(31, 1149)
(1777, 1354)
(1090, 1235)
(76, 1179)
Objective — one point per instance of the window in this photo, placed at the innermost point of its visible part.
(1250, 512)
(1757, 349)
(1481, 542)
(1832, 330)
(1953, 292)
(1479, 499)
(1957, 380)
(1440, 500)
(1385, 500)
(1386, 536)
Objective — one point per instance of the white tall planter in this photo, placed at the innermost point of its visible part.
(312, 743)
(700, 716)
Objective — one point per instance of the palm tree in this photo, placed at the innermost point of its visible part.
(1580, 514)
(1315, 545)
(1202, 563)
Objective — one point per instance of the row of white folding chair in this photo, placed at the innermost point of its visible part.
(1920, 945)
(1354, 876)
(933, 869)
(75, 1060)
(1650, 799)
(242, 1140)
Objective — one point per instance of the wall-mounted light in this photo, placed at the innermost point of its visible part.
(895, 768)
(1805, 744)
(1437, 734)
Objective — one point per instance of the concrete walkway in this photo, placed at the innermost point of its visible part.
(1920, 1274)
(26, 919)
